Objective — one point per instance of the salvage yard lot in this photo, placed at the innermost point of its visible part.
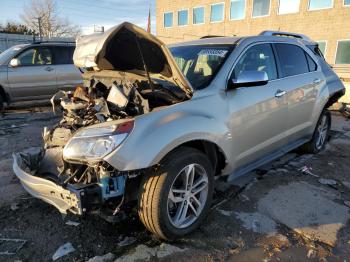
(277, 212)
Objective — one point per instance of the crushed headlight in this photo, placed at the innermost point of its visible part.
(92, 144)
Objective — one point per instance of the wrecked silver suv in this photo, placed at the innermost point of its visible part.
(150, 132)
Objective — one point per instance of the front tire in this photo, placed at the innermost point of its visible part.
(320, 136)
(175, 199)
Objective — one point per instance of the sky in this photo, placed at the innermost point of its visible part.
(87, 13)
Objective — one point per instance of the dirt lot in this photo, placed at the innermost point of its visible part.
(277, 213)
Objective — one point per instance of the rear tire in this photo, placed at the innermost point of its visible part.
(166, 206)
(1, 104)
(320, 136)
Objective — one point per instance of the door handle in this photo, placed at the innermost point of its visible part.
(280, 93)
(49, 69)
(317, 81)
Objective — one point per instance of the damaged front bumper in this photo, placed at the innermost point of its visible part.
(70, 199)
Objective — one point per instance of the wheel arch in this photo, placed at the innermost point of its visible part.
(215, 154)
(3, 94)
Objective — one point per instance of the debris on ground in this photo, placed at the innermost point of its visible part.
(63, 250)
(143, 252)
(257, 222)
(105, 258)
(329, 182)
(225, 213)
(127, 241)
(14, 206)
(10, 246)
(307, 171)
(72, 223)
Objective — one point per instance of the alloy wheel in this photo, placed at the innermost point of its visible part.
(322, 131)
(187, 196)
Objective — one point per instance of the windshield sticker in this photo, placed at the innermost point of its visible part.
(214, 52)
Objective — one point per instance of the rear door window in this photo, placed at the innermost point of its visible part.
(292, 59)
(63, 55)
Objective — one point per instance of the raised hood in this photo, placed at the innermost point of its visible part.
(127, 47)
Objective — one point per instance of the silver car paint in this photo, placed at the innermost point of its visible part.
(247, 124)
(37, 82)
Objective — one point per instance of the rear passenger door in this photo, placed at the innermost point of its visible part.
(301, 82)
(68, 76)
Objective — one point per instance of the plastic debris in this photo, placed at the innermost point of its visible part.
(63, 250)
(307, 171)
(72, 223)
(14, 206)
(10, 246)
(329, 182)
(105, 258)
(127, 241)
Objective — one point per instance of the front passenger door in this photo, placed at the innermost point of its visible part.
(35, 75)
(258, 115)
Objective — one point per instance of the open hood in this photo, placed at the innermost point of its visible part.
(127, 47)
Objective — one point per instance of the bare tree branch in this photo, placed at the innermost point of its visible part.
(52, 25)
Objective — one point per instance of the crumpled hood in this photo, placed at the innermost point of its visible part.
(124, 48)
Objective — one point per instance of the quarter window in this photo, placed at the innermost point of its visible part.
(237, 9)
(288, 6)
(257, 58)
(322, 47)
(168, 19)
(198, 15)
(217, 12)
(182, 17)
(311, 63)
(343, 52)
(293, 60)
(261, 8)
(320, 4)
(35, 56)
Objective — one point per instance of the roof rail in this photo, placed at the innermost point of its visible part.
(54, 41)
(279, 33)
(210, 36)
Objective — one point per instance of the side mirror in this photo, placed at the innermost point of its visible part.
(249, 78)
(15, 62)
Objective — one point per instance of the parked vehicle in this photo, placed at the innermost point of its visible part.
(155, 125)
(37, 71)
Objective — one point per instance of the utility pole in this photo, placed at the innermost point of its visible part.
(40, 29)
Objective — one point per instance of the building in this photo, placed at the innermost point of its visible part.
(325, 21)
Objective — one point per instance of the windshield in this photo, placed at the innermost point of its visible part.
(200, 63)
(9, 53)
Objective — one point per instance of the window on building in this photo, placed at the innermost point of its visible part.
(288, 6)
(237, 9)
(343, 52)
(182, 17)
(261, 8)
(168, 19)
(346, 2)
(322, 46)
(257, 58)
(198, 15)
(292, 58)
(320, 4)
(217, 12)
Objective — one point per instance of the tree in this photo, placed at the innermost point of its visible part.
(14, 28)
(42, 17)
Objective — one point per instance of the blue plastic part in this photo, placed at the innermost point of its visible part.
(112, 186)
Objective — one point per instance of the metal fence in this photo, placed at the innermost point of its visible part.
(8, 40)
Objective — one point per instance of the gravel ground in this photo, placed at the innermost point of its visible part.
(273, 214)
